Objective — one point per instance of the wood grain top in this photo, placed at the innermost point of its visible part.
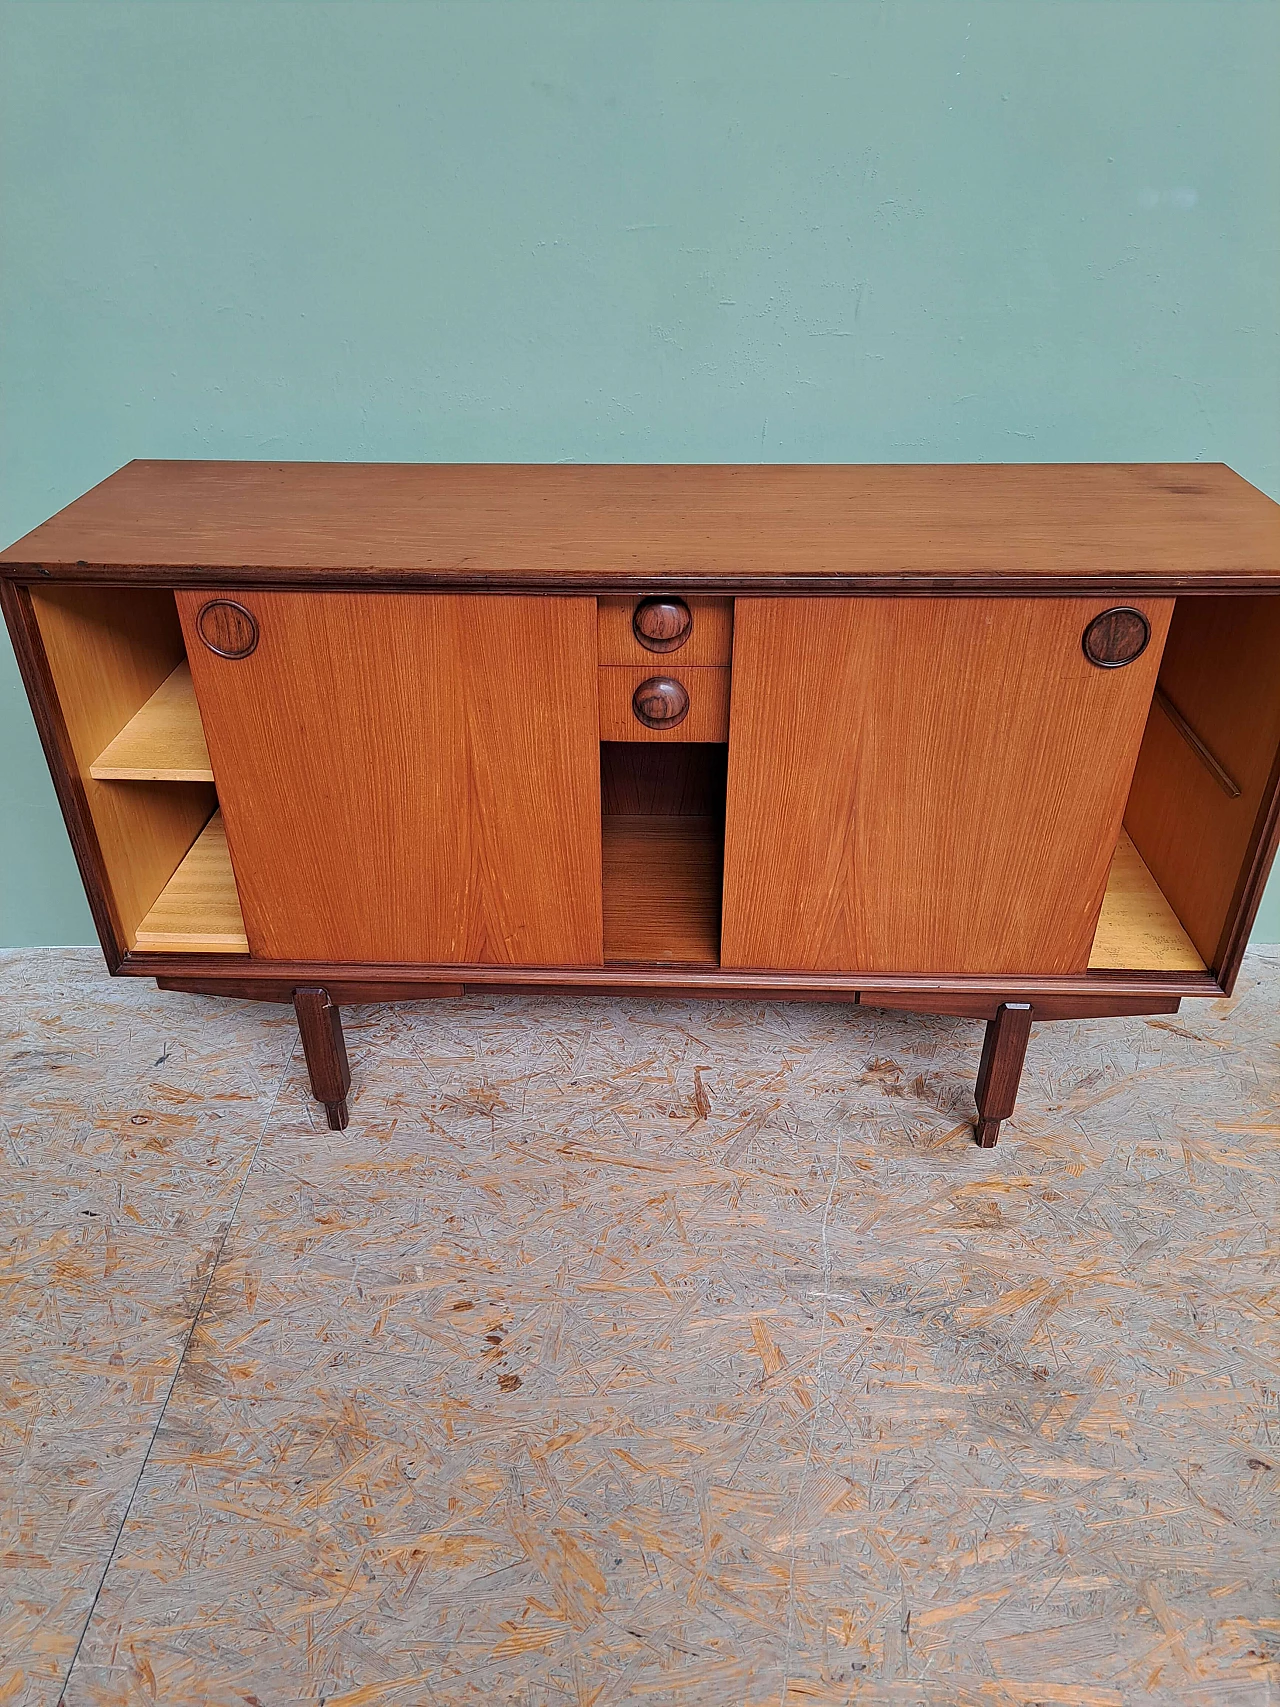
(1156, 527)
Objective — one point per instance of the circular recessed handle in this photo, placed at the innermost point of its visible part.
(661, 702)
(227, 628)
(662, 625)
(1116, 637)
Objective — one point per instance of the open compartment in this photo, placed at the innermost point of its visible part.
(1178, 895)
(198, 910)
(663, 828)
(162, 742)
(1137, 929)
(119, 668)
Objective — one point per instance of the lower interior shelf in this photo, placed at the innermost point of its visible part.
(662, 884)
(1138, 931)
(198, 911)
(662, 879)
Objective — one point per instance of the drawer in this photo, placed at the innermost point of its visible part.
(706, 717)
(708, 639)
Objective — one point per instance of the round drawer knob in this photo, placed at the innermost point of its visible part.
(1116, 637)
(660, 703)
(662, 625)
(227, 628)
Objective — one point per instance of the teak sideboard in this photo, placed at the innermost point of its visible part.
(993, 741)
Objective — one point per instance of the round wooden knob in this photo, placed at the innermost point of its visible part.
(1116, 637)
(660, 703)
(662, 625)
(227, 628)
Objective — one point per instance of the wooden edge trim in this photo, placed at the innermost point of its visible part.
(669, 980)
(342, 992)
(348, 993)
(37, 678)
(342, 578)
(1252, 882)
(1042, 1007)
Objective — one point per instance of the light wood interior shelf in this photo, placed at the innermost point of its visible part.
(1138, 931)
(662, 878)
(198, 910)
(164, 742)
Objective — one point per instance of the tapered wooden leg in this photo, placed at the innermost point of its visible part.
(1003, 1050)
(320, 1026)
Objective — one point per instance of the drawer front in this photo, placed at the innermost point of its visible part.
(657, 703)
(650, 630)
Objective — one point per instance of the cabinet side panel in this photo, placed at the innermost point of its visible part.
(925, 785)
(410, 777)
(108, 650)
(1221, 675)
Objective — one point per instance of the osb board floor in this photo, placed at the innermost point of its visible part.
(628, 1352)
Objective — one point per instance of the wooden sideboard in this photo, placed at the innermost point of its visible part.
(994, 741)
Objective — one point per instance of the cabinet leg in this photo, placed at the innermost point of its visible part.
(1003, 1051)
(320, 1027)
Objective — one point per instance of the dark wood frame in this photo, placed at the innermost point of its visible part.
(985, 992)
(216, 579)
(37, 678)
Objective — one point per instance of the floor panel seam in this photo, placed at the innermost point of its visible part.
(178, 1367)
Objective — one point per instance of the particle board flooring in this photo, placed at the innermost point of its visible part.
(634, 1352)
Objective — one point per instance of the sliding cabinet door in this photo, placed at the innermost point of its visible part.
(924, 784)
(407, 777)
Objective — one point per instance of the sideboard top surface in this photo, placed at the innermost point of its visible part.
(1153, 527)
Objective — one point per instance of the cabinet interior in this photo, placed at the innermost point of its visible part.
(118, 665)
(662, 819)
(1190, 824)
(1138, 931)
(1206, 762)
(163, 741)
(198, 910)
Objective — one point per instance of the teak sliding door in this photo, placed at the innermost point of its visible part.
(406, 777)
(925, 785)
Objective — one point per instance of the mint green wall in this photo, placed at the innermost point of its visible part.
(611, 231)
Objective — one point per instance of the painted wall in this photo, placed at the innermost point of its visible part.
(605, 231)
